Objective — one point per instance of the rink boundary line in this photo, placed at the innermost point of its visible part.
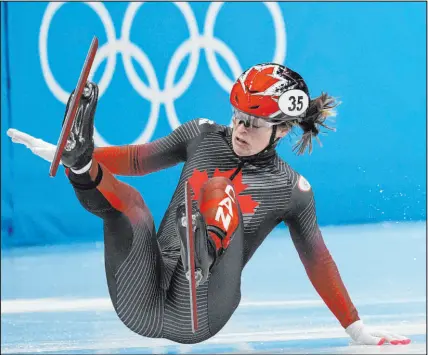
(104, 304)
(240, 341)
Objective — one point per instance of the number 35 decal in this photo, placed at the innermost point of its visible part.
(293, 102)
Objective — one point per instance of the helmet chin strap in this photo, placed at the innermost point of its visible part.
(272, 139)
(273, 136)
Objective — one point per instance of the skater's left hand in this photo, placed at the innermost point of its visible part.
(363, 336)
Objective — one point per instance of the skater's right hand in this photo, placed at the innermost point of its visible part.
(38, 146)
(361, 335)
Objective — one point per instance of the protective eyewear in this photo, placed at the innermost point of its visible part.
(251, 121)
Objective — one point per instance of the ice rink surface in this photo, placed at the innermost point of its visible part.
(55, 299)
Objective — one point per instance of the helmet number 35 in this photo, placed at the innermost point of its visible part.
(293, 102)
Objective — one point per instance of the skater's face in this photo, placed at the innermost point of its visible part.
(252, 139)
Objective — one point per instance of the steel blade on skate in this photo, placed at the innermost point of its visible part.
(191, 257)
(74, 104)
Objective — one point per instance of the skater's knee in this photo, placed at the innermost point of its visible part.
(121, 196)
(219, 205)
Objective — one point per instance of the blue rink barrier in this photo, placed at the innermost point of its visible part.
(372, 56)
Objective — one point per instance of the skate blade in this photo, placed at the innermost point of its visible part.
(75, 100)
(191, 257)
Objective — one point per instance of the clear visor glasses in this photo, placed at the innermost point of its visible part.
(251, 121)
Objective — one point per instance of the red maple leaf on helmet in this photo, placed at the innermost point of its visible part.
(246, 202)
(261, 80)
(258, 89)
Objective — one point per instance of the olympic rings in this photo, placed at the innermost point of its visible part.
(153, 92)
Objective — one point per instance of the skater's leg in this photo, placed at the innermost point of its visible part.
(219, 296)
(132, 256)
(220, 209)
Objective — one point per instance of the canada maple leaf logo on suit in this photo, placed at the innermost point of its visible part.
(246, 202)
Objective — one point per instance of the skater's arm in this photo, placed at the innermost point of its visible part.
(132, 160)
(319, 264)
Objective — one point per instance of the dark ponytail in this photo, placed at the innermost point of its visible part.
(318, 111)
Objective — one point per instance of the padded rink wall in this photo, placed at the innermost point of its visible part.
(370, 55)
